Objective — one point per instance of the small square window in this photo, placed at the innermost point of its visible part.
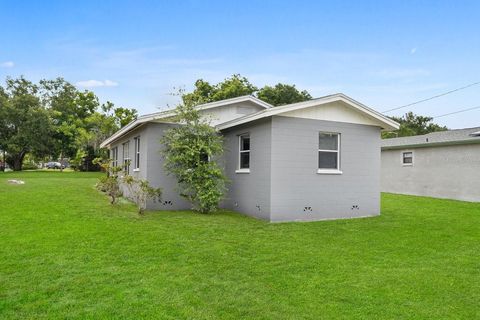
(407, 158)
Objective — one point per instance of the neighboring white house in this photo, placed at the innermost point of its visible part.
(443, 164)
(318, 159)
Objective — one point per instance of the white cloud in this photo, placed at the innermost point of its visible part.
(413, 50)
(97, 83)
(7, 64)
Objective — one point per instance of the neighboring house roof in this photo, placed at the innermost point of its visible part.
(169, 113)
(450, 137)
(383, 121)
(375, 117)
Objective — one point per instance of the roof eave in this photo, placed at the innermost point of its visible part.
(168, 113)
(386, 123)
(431, 144)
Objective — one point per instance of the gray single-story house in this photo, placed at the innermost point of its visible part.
(443, 164)
(313, 160)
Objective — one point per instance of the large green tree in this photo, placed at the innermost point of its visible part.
(69, 109)
(53, 119)
(412, 124)
(237, 85)
(282, 94)
(232, 87)
(25, 125)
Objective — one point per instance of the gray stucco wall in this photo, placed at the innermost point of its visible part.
(151, 165)
(451, 172)
(296, 183)
(156, 175)
(249, 193)
(283, 177)
(140, 132)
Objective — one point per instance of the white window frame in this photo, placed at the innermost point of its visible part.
(240, 151)
(136, 165)
(338, 151)
(402, 158)
(114, 156)
(126, 160)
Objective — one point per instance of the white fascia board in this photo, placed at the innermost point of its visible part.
(226, 102)
(387, 123)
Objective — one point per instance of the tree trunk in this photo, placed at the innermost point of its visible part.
(61, 161)
(18, 161)
(4, 161)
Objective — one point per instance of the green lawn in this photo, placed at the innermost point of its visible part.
(65, 253)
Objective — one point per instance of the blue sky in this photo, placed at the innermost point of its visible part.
(134, 53)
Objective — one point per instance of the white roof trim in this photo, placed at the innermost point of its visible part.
(384, 122)
(168, 113)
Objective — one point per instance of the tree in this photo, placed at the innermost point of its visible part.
(25, 125)
(190, 150)
(236, 86)
(412, 124)
(282, 94)
(140, 192)
(123, 116)
(69, 109)
(232, 87)
(54, 119)
(110, 182)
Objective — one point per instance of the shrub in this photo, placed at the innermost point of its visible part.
(190, 150)
(109, 183)
(140, 192)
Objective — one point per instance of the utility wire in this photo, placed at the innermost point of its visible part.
(434, 97)
(455, 112)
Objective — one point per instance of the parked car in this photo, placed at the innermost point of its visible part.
(54, 165)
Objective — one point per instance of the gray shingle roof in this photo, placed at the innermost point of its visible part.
(458, 136)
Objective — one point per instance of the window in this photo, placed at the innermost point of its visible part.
(407, 158)
(244, 153)
(329, 153)
(126, 157)
(136, 164)
(114, 156)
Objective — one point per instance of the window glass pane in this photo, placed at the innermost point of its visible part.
(407, 157)
(245, 143)
(244, 160)
(125, 151)
(327, 160)
(328, 141)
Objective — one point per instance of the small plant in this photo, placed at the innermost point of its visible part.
(109, 183)
(140, 191)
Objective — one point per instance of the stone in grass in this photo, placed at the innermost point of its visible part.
(13, 181)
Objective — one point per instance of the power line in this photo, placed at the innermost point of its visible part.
(455, 112)
(434, 97)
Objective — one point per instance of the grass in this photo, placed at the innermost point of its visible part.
(66, 253)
